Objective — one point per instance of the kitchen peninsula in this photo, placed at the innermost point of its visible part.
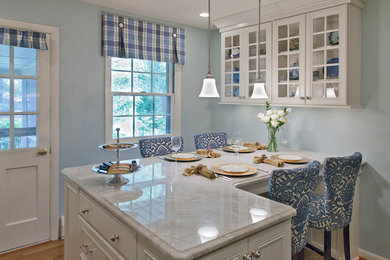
(162, 214)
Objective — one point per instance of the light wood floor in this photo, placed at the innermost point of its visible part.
(55, 251)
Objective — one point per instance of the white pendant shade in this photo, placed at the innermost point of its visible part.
(259, 91)
(209, 88)
(330, 93)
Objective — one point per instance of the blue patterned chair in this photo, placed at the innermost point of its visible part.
(334, 210)
(295, 187)
(210, 140)
(157, 146)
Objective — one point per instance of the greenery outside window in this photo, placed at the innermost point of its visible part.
(140, 98)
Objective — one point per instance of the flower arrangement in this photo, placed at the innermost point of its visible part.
(273, 119)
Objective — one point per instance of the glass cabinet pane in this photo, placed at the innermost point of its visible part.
(232, 65)
(318, 25)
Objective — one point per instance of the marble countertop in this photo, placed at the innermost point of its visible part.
(169, 209)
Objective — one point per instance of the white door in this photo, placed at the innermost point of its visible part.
(24, 129)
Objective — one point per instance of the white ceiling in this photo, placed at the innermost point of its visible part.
(182, 11)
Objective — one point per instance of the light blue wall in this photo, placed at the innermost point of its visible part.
(343, 131)
(82, 77)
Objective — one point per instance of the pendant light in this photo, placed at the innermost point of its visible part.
(259, 87)
(209, 88)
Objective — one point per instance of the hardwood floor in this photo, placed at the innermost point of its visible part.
(54, 250)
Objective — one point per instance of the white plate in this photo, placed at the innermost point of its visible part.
(183, 156)
(290, 157)
(233, 168)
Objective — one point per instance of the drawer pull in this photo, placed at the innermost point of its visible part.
(85, 249)
(114, 237)
(256, 254)
(85, 211)
(246, 257)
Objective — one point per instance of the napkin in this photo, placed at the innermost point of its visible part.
(208, 153)
(200, 169)
(256, 145)
(264, 159)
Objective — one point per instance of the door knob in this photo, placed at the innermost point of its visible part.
(42, 151)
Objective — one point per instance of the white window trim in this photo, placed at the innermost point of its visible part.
(175, 117)
(54, 115)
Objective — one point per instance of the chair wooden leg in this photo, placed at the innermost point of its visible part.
(347, 252)
(327, 245)
(301, 255)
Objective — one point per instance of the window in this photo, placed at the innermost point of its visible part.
(140, 98)
(18, 97)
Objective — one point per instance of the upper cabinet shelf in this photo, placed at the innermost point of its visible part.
(307, 59)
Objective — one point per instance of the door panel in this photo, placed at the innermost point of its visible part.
(24, 129)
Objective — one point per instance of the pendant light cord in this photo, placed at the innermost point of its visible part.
(209, 38)
(258, 43)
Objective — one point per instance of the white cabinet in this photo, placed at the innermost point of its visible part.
(240, 52)
(271, 244)
(289, 60)
(316, 59)
(72, 230)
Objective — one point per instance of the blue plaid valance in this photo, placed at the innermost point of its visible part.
(131, 38)
(21, 38)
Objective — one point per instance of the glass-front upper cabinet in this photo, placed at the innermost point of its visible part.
(327, 57)
(289, 60)
(254, 52)
(231, 66)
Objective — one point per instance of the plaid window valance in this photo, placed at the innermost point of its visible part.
(21, 38)
(131, 38)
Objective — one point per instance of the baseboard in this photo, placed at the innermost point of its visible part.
(62, 227)
(370, 256)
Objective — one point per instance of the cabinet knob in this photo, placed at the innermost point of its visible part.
(85, 211)
(246, 257)
(114, 237)
(85, 249)
(256, 254)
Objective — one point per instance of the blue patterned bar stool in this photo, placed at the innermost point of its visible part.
(334, 210)
(210, 140)
(157, 146)
(295, 187)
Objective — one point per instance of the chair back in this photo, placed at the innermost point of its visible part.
(340, 174)
(295, 187)
(210, 140)
(157, 146)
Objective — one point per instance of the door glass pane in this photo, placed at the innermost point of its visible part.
(292, 90)
(332, 90)
(294, 44)
(282, 91)
(228, 66)
(236, 65)
(228, 42)
(120, 81)
(318, 73)
(263, 35)
(252, 64)
(252, 51)
(282, 61)
(25, 95)
(4, 59)
(122, 105)
(332, 22)
(332, 72)
(142, 82)
(162, 105)
(262, 63)
(236, 78)
(228, 91)
(318, 90)
(228, 78)
(142, 65)
(120, 64)
(252, 77)
(252, 37)
(318, 25)
(236, 40)
(25, 61)
(333, 38)
(294, 60)
(4, 95)
(318, 41)
(160, 83)
(162, 125)
(318, 58)
(25, 132)
(236, 91)
(282, 46)
(125, 124)
(294, 29)
(282, 30)
(262, 49)
(282, 75)
(144, 105)
(4, 132)
(143, 126)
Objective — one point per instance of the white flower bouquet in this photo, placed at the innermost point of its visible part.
(273, 119)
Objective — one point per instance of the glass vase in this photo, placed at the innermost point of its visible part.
(272, 146)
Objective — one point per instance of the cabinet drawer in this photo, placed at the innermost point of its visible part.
(112, 230)
(93, 248)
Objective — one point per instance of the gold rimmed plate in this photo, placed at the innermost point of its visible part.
(183, 157)
(242, 149)
(291, 158)
(232, 169)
